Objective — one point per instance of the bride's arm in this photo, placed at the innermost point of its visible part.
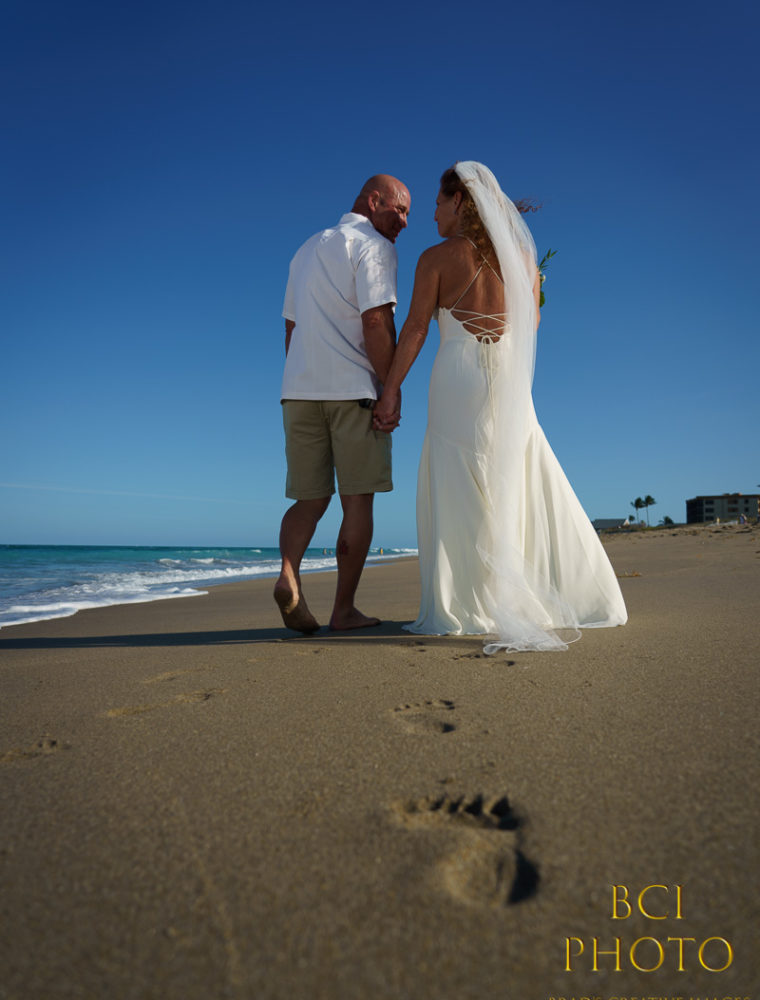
(412, 336)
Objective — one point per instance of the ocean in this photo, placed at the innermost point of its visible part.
(54, 581)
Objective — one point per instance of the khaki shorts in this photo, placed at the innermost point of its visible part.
(326, 435)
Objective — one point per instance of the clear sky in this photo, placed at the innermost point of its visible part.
(163, 161)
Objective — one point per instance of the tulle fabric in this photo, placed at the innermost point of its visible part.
(506, 549)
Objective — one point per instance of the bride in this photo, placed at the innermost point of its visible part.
(506, 550)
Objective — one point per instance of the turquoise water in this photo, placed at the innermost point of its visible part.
(54, 581)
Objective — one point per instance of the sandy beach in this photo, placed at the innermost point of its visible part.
(199, 804)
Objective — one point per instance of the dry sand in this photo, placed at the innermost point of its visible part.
(198, 804)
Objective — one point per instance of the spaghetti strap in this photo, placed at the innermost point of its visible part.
(466, 290)
(484, 262)
(484, 333)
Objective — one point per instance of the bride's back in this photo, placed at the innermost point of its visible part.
(471, 287)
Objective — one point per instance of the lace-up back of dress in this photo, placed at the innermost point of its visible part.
(487, 328)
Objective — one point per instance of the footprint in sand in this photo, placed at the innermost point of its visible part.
(417, 645)
(186, 698)
(482, 656)
(43, 747)
(426, 716)
(488, 868)
(173, 675)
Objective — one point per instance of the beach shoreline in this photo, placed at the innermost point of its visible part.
(199, 803)
(41, 583)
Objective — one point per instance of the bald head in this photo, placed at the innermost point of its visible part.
(385, 201)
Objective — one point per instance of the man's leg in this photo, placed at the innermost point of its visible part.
(297, 530)
(310, 478)
(353, 545)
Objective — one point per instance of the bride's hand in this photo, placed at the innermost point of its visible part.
(386, 415)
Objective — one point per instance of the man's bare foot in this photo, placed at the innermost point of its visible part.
(351, 619)
(294, 609)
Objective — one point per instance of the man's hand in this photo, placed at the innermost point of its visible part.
(386, 415)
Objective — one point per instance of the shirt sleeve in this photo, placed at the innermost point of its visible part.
(289, 306)
(376, 275)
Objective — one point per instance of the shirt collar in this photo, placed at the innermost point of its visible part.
(355, 219)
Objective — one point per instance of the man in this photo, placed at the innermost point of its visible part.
(339, 343)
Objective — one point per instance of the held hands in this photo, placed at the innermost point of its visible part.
(386, 415)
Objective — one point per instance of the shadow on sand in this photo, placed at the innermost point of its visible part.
(387, 631)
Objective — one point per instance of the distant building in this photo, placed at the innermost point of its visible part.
(727, 507)
(605, 523)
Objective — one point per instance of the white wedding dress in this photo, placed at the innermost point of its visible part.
(505, 548)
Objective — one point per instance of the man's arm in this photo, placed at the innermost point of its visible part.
(379, 332)
(289, 327)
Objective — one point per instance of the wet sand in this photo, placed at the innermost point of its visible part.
(196, 803)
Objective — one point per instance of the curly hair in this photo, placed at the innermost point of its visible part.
(472, 226)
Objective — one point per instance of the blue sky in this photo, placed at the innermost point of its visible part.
(163, 161)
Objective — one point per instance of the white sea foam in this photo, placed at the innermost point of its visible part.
(20, 614)
(56, 586)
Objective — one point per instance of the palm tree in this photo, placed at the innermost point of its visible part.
(637, 504)
(648, 502)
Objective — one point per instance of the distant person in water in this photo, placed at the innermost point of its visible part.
(339, 342)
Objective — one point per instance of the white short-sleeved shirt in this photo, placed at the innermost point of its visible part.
(336, 276)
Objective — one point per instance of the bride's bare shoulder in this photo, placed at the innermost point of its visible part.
(454, 250)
